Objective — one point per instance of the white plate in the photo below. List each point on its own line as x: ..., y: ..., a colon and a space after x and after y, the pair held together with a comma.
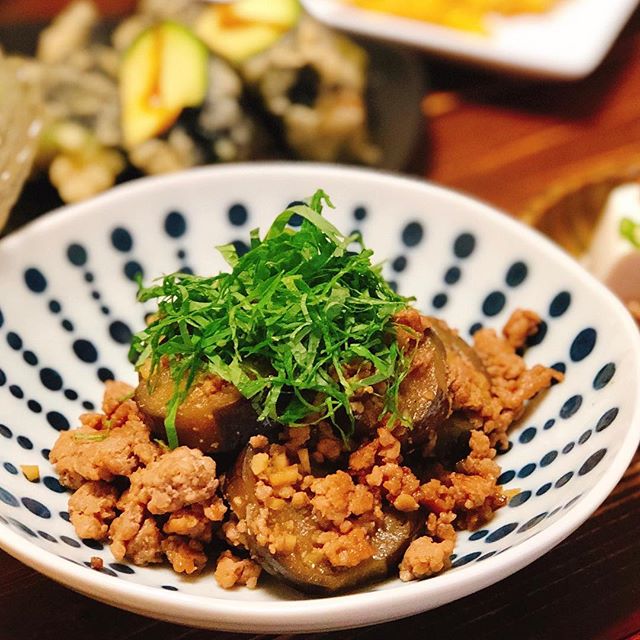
x: 67, y: 303
x: 568, y: 42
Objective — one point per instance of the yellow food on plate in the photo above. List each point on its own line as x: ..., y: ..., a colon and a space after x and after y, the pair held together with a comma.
x: 461, y: 14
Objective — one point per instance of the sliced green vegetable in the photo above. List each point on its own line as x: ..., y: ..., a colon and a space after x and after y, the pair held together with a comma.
x: 283, y: 325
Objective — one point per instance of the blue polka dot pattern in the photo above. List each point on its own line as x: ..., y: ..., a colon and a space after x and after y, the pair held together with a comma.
x: 527, y: 435
x: 452, y: 275
x: 506, y: 477
x: 77, y: 254
x: 533, y: 522
x: 51, y: 379
x: 8, y: 498
x: 412, y: 234
x: 70, y: 541
x: 45, y: 536
x: 24, y: 442
x: 85, y: 350
x: 493, y: 303
x: 439, y: 300
x: 517, y: 274
x: 399, y: 264
x: 37, y: 508
x: 564, y: 479
x: 538, y: 465
x: 133, y: 270
x: 105, y: 374
x: 527, y: 470
x: 604, y: 376
x: 570, y: 407
x: 476, y: 326
x: 560, y: 304
x: 606, y: 419
x: 241, y: 247
x: 583, y: 344
x: 121, y: 240
x: 592, y: 461
x: 238, y: 214
x: 360, y: 213
x: 519, y: 498
x: 543, y: 489
x: 584, y: 437
x: 14, y: 341
x: 93, y: 544
x: 52, y: 483
x: 122, y: 568
x: 175, y: 224
x: 501, y: 532
x: 464, y: 245
x: 459, y: 562
x: 120, y: 332
x: 34, y: 280
x: 57, y: 421
x: 478, y: 535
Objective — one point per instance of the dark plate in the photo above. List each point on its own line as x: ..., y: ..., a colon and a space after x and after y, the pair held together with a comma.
x: 397, y: 84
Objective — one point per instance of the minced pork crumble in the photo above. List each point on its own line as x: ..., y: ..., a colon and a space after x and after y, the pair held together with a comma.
x: 152, y: 504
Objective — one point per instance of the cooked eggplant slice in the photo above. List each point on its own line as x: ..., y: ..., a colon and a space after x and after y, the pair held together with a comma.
x: 302, y: 567
x: 214, y: 417
x: 424, y: 393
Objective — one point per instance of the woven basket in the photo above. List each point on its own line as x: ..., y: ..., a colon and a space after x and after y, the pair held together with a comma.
x: 569, y: 211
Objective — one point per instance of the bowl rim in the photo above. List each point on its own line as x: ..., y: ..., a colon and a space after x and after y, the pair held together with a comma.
x: 348, y: 610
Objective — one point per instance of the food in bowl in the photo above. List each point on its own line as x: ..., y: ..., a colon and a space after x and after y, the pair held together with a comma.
x: 297, y: 415
x: 469, y: 15
x: 182, y: 83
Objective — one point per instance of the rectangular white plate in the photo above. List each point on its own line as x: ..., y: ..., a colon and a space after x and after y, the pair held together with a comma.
x: 568, y: 42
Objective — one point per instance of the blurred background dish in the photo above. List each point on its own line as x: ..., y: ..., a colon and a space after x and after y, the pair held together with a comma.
x: 564, y: 40
x: 20, y: 124
x: 294, y: 90
x: 595, y: 216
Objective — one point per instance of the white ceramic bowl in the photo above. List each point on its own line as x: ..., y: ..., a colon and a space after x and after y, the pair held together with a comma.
x: 566, y: 43
x: 67, y: 307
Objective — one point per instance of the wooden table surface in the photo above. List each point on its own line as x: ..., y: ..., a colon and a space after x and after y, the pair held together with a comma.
x: 505, y: 141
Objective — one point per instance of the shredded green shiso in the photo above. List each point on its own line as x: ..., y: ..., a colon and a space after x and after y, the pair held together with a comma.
x: 282, y: 325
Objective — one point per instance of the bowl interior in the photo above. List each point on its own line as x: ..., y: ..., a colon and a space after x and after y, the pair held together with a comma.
x: 68, y: 308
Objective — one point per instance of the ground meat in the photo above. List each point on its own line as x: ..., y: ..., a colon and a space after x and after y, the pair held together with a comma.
x: 172, y: 505
x: 190, y: 521
x: 185, y: 555
x: 92, y: 454
x: 512, y: 383
x: 336, y: 498
x: 91, y: 508
x: 177, y: 479
x: 232, y: 571
x: 424, y: 558
x: 346, y: 550
x: 136, y: 536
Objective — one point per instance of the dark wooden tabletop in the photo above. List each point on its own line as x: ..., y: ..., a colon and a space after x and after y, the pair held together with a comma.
x: 505, y: 141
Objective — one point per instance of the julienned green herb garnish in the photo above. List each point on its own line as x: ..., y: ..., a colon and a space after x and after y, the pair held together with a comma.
x: 283, y: 325
x: 631, y: 231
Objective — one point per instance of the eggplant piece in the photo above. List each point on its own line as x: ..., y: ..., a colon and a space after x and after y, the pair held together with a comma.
x: 214, y: 417
x: 454, y: 344
x: 301, y: 567
x: 424, y: 393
